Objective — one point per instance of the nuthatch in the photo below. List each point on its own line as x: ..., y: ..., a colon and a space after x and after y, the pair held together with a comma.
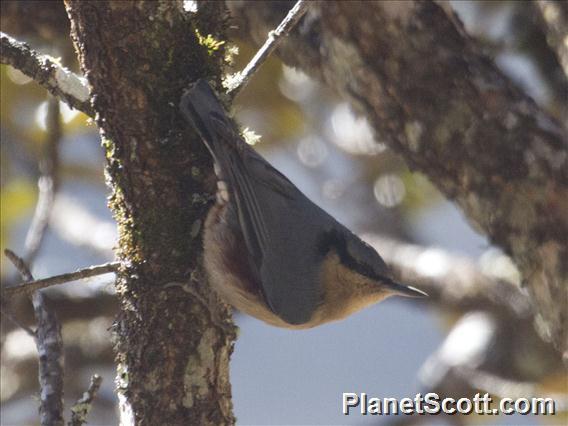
x: 268, y: 250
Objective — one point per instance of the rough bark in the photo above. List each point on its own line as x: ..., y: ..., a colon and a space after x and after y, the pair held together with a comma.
x: 173, y: 338
x: 433, y: 97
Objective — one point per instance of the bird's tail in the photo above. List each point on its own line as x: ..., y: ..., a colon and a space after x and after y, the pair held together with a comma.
x: 200, y: 106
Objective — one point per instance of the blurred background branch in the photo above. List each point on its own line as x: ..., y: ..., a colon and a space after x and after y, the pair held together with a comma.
x: 555, y: 17
x: 498, y: 325
x: 48, y: 183
x: 48, y: 331
x: 456, y: 283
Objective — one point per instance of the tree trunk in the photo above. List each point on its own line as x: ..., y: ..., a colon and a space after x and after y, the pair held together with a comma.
x: 173, y: 337
x: 429, y: 93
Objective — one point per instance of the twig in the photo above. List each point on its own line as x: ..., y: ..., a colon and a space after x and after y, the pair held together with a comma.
x: 31, y: 286
x: 19, y: 264
x: 81, y: 409
x: 274, y: 38
x: 45, y: 70
x: 50, y: 348
x: 47, y: 183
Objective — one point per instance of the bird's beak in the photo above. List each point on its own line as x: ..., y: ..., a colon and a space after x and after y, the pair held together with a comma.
x: 406, y: 290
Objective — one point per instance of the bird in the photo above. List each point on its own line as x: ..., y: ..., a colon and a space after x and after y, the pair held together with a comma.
x: 268, y: 250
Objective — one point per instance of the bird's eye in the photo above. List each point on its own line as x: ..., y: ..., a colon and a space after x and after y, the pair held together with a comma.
x: 331, y: 240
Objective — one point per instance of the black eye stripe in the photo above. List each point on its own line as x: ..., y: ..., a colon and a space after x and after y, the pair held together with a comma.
x: 334, y: 240
x: 330, y: 240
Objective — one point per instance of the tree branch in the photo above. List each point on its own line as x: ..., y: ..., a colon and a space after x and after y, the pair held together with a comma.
x: 50, y: 348
x: 34, y: 285
x: 45, y: 71
x: 433, y: 97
